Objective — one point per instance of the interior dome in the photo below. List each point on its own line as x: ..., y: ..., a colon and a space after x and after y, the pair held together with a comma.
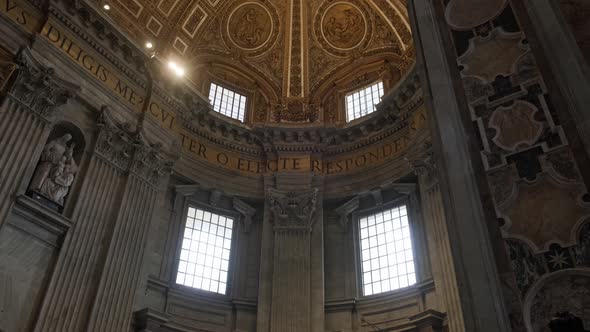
x: 290, y: 61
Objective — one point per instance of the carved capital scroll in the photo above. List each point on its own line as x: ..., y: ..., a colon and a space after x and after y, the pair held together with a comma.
x: 346, y: 209
x: 246, y: 211
x: 38, y: 88
x: 115, y: 141
x: 292, y: 210
x: 130, y: 151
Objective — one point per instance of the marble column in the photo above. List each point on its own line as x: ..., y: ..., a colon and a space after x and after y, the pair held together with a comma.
x: 95, y: 278
x: 472, y: 252
x: 26, y: 117
x: 293, y: 216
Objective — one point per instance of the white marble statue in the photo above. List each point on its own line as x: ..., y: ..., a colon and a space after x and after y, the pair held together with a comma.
x: 55, y: 173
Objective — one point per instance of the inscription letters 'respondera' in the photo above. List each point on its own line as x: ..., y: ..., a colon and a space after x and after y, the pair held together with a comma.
x: 19, y: 11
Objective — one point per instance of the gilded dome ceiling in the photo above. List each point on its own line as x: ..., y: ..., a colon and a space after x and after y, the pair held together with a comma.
x: 295, y: 58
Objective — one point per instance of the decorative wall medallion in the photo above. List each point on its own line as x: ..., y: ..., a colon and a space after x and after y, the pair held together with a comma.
x: 467, y: 14
x: 489, y: 57
x: 516, y: 126
x: 342, y: 26
x: 250, y: 26
x: 545, y: 212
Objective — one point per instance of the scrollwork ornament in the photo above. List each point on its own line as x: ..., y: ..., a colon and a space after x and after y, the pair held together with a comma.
x: 150, y: 163
x: 293, y: 210
x: 38, y: 88
x: 114, y: 144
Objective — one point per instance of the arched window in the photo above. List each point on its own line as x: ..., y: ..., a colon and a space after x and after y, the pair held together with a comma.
x: 386, y: 250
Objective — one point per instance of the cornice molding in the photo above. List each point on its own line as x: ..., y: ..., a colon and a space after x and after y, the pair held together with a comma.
x: 195, y: 113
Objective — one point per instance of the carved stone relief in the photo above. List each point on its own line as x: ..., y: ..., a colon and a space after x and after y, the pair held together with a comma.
x: 292, y: 210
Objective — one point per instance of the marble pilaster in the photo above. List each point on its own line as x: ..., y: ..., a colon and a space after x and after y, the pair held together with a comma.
x: 97, y: 272
x: 471, y: 251
x: 26, y: 117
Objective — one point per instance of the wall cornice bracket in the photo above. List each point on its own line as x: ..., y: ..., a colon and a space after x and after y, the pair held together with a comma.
x: 247, y: 212
x: 346, y: 209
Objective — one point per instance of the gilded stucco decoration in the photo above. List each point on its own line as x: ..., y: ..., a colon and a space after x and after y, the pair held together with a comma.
x: 290, y: 49
x: 342, y: 26
x: 250, y: 26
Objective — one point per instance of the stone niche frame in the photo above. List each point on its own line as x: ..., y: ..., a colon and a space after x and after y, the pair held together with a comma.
x: 403, y: 194
x: 65, y: 126
x: 544, y: 281
x: 200, y: 198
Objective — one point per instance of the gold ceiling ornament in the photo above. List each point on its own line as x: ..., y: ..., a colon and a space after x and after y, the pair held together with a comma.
x: 342, y: 26
x: 252, y: 27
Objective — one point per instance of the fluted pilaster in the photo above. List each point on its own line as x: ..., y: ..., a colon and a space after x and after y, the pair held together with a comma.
x: 291, y: 296
x: 113, y: 305
x: 293, y: 217
x: 26, y: 116
x: 96, y: 275
x: 73, y: 284
x: 422, y: 161
x: 112, y: 310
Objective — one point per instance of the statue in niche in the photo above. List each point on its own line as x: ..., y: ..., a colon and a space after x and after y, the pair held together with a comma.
x: 55, y: 173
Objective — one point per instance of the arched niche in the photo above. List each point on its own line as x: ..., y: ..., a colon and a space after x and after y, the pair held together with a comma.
x: 58, y: 166
x: 565, y: 290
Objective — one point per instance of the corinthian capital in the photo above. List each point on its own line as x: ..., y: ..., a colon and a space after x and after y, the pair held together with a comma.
x: 292, y: 210
x: 129, y: 150
x: 38, y: 88
x: 151, y: 163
